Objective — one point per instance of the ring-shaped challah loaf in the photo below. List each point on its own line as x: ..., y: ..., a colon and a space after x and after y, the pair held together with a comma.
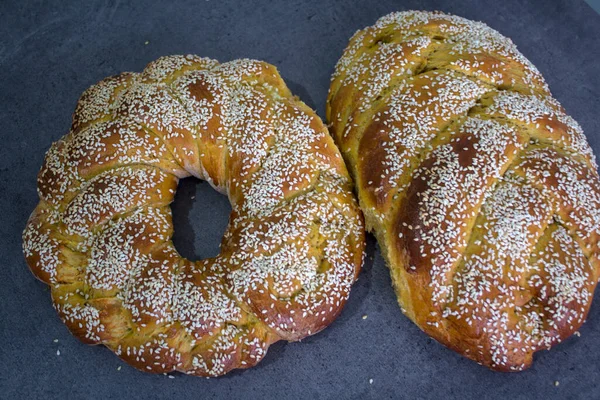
x: 101, y: 234
x: 482, y: 191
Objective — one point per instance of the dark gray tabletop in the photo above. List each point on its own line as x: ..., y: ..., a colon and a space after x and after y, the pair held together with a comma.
x: 50, y: 54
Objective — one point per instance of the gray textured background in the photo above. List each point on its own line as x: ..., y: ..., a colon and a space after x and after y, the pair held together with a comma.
x: 49, y: 54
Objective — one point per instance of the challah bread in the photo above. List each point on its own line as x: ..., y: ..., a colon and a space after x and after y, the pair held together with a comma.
x: 482, y: 192
x: 101, y: 234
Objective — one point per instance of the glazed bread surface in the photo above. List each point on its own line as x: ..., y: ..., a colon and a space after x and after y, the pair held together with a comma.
x: 101, y: 233
x: 482, y: 192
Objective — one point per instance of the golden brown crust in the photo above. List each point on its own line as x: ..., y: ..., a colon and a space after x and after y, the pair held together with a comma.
x: 101, y: 234
x: 482, y: 192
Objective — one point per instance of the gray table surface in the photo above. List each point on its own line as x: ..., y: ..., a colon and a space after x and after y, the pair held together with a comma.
x: 50, y: 53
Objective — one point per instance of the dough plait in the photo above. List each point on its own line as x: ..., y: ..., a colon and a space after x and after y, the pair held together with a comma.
x: 483, y: 194
x: 101, y: 233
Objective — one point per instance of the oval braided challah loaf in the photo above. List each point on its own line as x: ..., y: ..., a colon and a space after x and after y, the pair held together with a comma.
x: 101, y: 234
x: 482, y: 192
